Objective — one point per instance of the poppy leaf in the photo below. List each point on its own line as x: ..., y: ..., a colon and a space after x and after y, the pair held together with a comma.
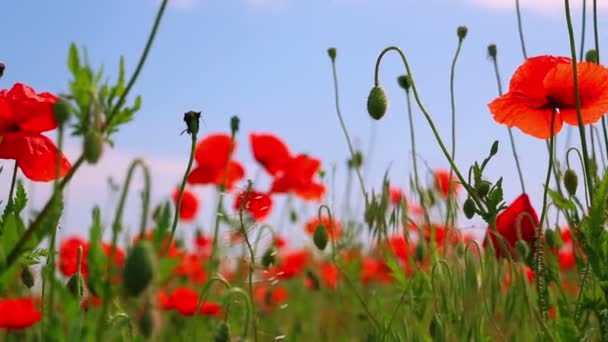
x: 20, y: 198
x: 73, y: 59
x: 560, y: 201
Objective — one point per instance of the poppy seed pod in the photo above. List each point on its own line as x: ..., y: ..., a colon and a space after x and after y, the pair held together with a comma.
x: 331, y: 52
x: 76, y: 285
x: 139, y: 269
x: 483, y: 188
x: 492, y: 51
x: 27, y: 278
x: 404, y: 82
x: 146, y: 324
x: 93, y: 146
x: 377, y: 103
x: 570, y: 181
x: 469, y: 208
x: 462, y: 32
x: 591, y: 56
x: 223, y: 332
x: 320, y: 237
x: 234, y: 124
x: 62, y: 112
x: 192, y: 120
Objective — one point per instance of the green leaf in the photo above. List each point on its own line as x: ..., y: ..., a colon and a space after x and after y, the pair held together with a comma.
x: 560, y: 201
x: 20, y: 198
x: 73, y: 59
x: 396, y: 270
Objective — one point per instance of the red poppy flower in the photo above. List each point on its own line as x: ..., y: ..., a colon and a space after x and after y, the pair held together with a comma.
x: 267, y: 298
x: 189, y: 206
x: 185, y: 300
x: 257, y: 204
x: 280, y: 242
x: 18, y: 313
x: 298, y: 178
x: 270, y: 152
x: 330, y: 275
x: 442, y: 183
x: 336, y: 230
x: 544, y: 85
x: 24, y: 115
x: 566, y: 258
x: 375, y: 270
x: 212, y: 155
x: 518, y: 222
x: 191, y: 267
x: 68, y: 256
x: 291, y: 265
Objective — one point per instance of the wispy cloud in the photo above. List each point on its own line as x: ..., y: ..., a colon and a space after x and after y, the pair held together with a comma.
x: 550, y: 7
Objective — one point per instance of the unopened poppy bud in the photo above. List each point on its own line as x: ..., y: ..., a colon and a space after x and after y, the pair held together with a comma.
x: 76, y: 285
x: 192, y: 120
x: 269, y: 257
x: 139, y: 269
x: 93, y: 146
x: 61, y: 110
x: 234, y: 124
x: 223, y: 332
x: 494, y: 148
x: 522, y: 249
x: 492, y: 51
x: 293, y: 216
x: 469, y: 208
x: 570, y: 181
x: 356, y: 161
x: 436, y: 329
x: 377, y: 103
x: 320, y: 237
x: 483, y: 188
x: 420, y: 251
x: 146, y: 323
x: 27, y: 278
x: 550, y: 238
x: 2, y: 67
x: 404, y: 82
x: 331, y: 52
x: 462, y: 32
x: 591, y: 56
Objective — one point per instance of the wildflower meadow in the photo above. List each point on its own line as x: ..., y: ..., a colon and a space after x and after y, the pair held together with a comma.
x: 280, y: 254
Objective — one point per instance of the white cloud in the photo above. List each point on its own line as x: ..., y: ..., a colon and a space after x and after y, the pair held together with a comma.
x: 539, y: 6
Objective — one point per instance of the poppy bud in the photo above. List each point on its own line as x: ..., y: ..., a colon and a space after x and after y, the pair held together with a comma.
x: 2, y: 67
x: 320, y: 237
x: 404, y: 82
x: 550, y: 238
x: 482, y: 188
x: 192, y: 120
x: 356, y: 161
x: 522, y: 248
x: 223, y: 333
x: 436, y: 329
x: 62, y: 112
x: 139, y: 268
x: 591, y: 56
x: 27, y: 278
x: 234, y: 124
x: 469, y: 208
x: 570, y: 181
x: 332, y: 53
x: 494, y: 148
x: 462, y: 32
x: 315, y: 284
x: 76, y: 286
x: 269, y: 257
x: 420, y: 251
x: 93, y: 146
x: 146, y: 324
x: 377, y: 103
x: 293, y: 216
x: 492, y: 52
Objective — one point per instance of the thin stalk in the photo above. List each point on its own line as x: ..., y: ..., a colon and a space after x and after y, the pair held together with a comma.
x: 583, y: 27
x: 520, y: 30
x: 13, y: 182
x: 596, y: 40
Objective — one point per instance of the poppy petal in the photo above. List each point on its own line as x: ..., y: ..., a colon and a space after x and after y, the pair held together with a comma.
x: 35, y: 154
x: 528, y: 80
x: 202, y: 175
x: 310, y: 192
x: 33, y: 112
x: 270, y: 152
x: 214, y: 150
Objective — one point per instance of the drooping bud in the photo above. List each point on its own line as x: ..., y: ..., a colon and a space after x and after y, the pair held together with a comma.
x: 469, y: 208
x: 27, y: 278
x: 234, y: 124
x: 269, y: 257
x: 192, y: 120
x: 331, y: 52
x: 61, y: 110
x: 146, y: 323
x: 223, y: 332
x: 139, y: 269
x: 522, y: 249
x: 483, y: 188
x: 591, y: 56
x: 420, y: 251
x: 570, y: 181
x: 550, y: 238
x: 404, y: 82
x: 492, y: 51
x: 76, y: 286
x: 462, y: 32
x: 293, y: 216
x: 93, y: 146
x: 377, y: 103
x: 320, y: 237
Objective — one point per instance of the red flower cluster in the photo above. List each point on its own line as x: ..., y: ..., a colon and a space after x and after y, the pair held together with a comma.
x: 442, y: 183
x: 185, y: 301
x: 257, y: 204
x: 214, y: 158
x: 332, y: 231
x: 18, y: 313
x: 24, y: 115
x: 189, y: 206
x: 68, y: 256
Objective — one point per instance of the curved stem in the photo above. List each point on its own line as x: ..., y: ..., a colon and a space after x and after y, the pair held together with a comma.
x: 343, y: 125
x: 202, y: 297
x: 236, y: 291
x: 182, y: 187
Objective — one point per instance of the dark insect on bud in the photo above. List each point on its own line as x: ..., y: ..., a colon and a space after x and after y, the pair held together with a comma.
x: 570, y: 181
x: 492, y: 51
x: 192, y: 120
x: 27, y: 278
x: 93, y: 146
x: 331, y: 52
x: 462, y: 32
x: 469, y: 208
x: 139, y: 268
x: 404, y: 82
x: 320, y: 237
x: 377, y: 103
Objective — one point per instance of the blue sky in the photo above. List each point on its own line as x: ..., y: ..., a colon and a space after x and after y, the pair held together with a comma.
x: 266, y: 61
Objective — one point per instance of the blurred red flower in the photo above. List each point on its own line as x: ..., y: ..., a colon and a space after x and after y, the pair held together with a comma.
x: 330, y: 275
x: 24, y: 115
x: 298, y: 178
x: 213, y: 154
x: 544, y: 85
x: 257, y: 204
x: 332, y: 232
x: 185, y: 300
x: 442, y: 183
x: 189, y: 206
x: 18, y: 313
x: 270, y: 152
